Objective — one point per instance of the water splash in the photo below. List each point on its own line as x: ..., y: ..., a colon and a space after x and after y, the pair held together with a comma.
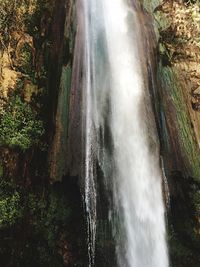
x: 115, y: 92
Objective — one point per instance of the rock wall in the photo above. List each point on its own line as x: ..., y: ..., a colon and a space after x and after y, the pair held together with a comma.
x: 62, y: 67
x: 41, y: 220
x: 176, y: 100
x: 39, y: 193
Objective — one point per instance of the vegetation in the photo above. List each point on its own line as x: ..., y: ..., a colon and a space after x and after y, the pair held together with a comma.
x: 25, y: 61
x: 183, y: 224
x: 26, y: 13
x: 49, y: 212
x: 19, y: 126
x: 43, y: 216
x: 177, y: 30
x: 35, y: 217
x: 7, y: 17
x: 11, y: 209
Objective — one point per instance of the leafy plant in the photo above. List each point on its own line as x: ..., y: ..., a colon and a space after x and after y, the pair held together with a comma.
x: 9, y: 14
x: 19, y: 126
x: 26, y: 59
x: 1, y: 170
x: 49, y: 212
x: 10, y: 205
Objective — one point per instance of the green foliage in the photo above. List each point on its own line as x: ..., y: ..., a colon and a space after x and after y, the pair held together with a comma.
x: 8, y: 18
x: 9, y: 209
x: 181, y: 252
x: 6, y: 9
x: 26, y: 59
x: 196, y: 201
x: 177, y: 249
x: 19, y: 126
x: 33, y: 22
x: 10, y: 205
x: 49, y: 213
x: 1, y: 170
x: 44, y: 214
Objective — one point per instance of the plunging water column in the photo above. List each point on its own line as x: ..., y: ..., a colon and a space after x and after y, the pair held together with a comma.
x: 116, y: 101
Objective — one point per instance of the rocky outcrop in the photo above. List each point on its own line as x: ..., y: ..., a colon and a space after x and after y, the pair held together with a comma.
x: 60, y: 77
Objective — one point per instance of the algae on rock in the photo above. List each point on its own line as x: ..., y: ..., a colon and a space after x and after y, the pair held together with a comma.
x: 176, y: 24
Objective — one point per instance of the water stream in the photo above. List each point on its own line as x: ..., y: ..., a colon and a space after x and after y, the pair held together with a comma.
x: 116, y: 101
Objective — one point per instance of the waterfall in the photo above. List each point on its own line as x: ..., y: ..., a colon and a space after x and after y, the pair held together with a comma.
x: 116, y: 100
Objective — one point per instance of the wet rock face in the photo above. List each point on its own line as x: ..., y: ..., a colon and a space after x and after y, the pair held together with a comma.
x: 181, y: 41
x: 176, y: 24
x: 62, y: 54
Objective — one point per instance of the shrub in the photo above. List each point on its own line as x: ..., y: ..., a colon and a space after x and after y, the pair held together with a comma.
x: 26, y: 60
x: 8, y: 17
x: 10, y: 205
x: 50, y: 213
x: 19, y: 126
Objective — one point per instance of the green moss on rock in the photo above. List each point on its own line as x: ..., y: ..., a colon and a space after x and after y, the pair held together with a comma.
x: 189, y: 148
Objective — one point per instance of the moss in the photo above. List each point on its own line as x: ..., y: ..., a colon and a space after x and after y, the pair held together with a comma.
x: 62, y: 121
x: 185, y: 133
x: 173, y: 21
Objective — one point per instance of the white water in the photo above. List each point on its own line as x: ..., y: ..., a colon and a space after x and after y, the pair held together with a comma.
x: 113, y: 77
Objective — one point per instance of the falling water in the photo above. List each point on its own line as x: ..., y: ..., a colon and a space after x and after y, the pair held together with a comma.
x: 115, y: 93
